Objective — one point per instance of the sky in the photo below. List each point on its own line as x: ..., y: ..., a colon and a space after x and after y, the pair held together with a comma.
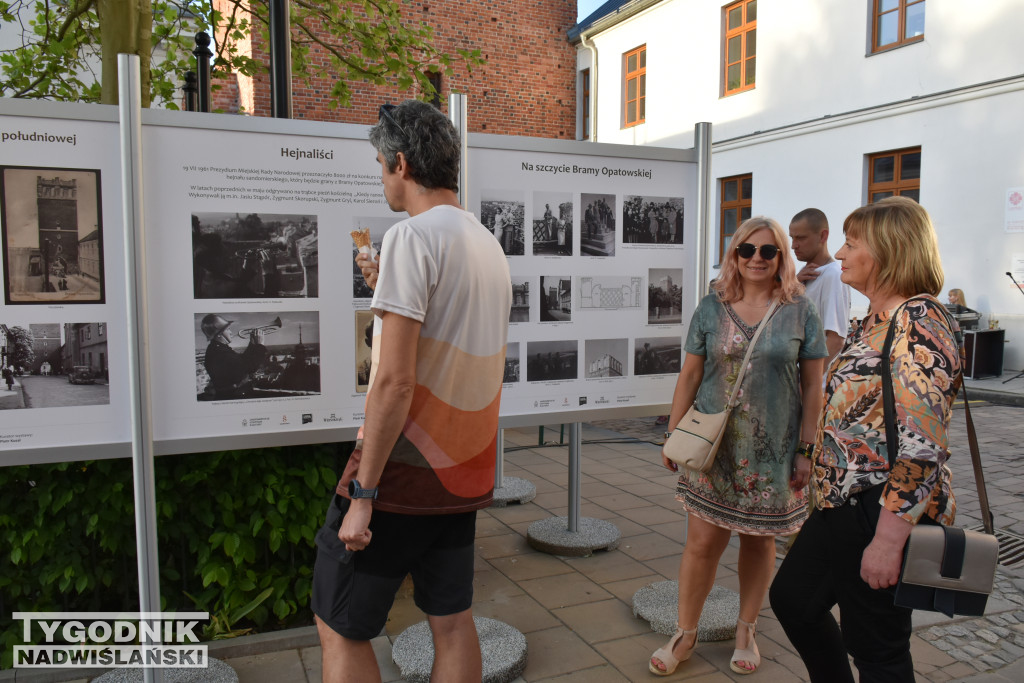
x: 585, y: 7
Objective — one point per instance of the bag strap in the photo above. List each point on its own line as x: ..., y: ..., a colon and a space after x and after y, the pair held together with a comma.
x: 750, y: 350
x: 888, y: 403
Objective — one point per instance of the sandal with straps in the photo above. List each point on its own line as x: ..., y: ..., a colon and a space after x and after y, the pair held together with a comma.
x: 666, y: 656
x: 750, y: 655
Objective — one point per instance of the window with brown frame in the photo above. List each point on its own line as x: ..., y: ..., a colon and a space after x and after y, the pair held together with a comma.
x: 585, y: 103
x: 737, y: 194
x: 740, y: 46
x: 897, y: 172
x: 895, y: 23
x: 635, y: 86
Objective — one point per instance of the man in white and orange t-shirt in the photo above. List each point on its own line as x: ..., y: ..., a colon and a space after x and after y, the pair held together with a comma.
x: 424, y: 462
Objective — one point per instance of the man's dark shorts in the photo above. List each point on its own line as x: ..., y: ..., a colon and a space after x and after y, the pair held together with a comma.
x: 353, y: 591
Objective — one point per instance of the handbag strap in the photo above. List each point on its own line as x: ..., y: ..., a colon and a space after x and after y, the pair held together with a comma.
x: 888, y: 403
x: 750, y: 350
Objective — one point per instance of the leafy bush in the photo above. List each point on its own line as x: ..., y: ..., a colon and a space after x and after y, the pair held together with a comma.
x: 231, y: 526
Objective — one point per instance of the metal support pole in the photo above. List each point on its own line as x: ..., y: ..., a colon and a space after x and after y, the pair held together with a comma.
x: 458, y: 114
x: 702, y: 143
x: 280, y: 59
x: 203, y: 55
x: 130, y: 107
x: 191, y: 89
x: 499, y: 460
x: 574, y: 477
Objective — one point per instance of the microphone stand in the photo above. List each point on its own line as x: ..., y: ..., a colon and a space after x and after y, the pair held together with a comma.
x: 1019, y: 289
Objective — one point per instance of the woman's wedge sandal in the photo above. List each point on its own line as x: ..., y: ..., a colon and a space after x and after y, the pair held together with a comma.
x: 748, y: 655
x: 667, y: 657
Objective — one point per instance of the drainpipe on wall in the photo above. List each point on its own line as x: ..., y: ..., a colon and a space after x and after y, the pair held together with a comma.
x: 593, y: 86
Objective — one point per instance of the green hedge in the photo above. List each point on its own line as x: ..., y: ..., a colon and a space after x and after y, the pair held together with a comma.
x: 232, y: 526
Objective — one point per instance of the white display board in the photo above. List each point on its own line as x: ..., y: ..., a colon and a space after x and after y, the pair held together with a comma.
x: 64, y: 284
x: 247, y: 235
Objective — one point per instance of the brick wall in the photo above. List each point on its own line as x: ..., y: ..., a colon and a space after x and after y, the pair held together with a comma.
x: 527, y: 87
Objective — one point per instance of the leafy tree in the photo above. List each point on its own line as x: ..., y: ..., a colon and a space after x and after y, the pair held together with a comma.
x: 344, y: 40
x: 19, y: 350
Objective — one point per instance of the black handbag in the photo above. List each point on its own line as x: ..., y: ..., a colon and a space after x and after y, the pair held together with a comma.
x: 945, y: 569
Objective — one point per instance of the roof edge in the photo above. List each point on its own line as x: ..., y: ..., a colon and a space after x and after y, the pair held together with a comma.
x: 607, y: 16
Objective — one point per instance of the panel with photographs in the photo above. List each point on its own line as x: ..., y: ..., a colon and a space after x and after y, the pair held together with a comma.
x: 665, y: 296
x: 511, y: 363
x: 52, y: 235
x: 606, y: 358
x: 610, y: 292
x: 548, y: 361
x: 597, y: 228
x: 54, y: 365
x: 253, y: 355
x: 552, y: 223
x: 657, y: 355
x: 377, y: 225
x: 364, y: 349
x: 652, y: 220
x: 238, y: 255
x: 503, y: 212
x: 520, y: 311
x: 555, y: 298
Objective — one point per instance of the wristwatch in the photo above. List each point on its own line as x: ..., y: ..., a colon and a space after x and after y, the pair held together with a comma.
x: 357, y: 491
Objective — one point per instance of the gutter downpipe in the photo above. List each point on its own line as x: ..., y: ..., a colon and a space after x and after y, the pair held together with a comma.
x: 593, y: 86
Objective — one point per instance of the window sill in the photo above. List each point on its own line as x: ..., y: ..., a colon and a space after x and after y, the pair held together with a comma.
x: 896, y: 46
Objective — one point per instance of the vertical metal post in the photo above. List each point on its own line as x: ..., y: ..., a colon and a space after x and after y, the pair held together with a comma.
x: 130, y: 108
x: 203, y: 54
x: 702, y: 143
x: 499, y: 460
x: 280, y: 59
x: 191, y: 89
x: 574, y: 477
x: 458, y: 114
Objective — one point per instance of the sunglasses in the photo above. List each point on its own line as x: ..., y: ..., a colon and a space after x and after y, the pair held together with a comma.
x: 747, y: 250
x: 385, y: 113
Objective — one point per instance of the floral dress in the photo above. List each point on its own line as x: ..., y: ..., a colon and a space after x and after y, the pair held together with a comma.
x: 747, y: 488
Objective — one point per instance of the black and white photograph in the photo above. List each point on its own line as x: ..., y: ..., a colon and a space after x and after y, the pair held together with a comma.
x: 555, y: 299
x: 511, y: 363
x: 549, y: 361
x: 657, y: 355
x: 54, y: 365
x: 251, y: 355
x: 254, y: 255
x: 652, y: 220
x: 520, y: 311
x: 52, y: 226
x: 609, y: 292
x: 364, y: 349
x: 503, y: 212
x: 377, y: 225
x: 597, y: 229
x: 664, y: 296
x: 605, y: 358
x: 552, y: 223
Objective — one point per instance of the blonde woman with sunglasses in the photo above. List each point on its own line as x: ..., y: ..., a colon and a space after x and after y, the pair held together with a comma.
x: 755, y: 487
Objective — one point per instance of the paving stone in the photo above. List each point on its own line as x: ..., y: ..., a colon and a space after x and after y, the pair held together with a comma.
x: 958, y: 630
x: 973, y: 650
x: 988, y: 635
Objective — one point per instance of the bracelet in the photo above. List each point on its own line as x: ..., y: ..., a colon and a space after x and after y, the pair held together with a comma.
x: 805, y: 450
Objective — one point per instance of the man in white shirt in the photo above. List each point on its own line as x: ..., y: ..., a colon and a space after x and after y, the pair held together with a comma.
x: 809, y: 232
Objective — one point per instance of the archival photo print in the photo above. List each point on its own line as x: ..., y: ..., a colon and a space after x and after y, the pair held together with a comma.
x: 511, y: 363
x: 52, y: 227
x: 503, y: 212
x: 597, y: 230
x: 254, y: 255
x: 552, y: 223
x: 265, y: 354
x: 657, y: 355
x: 54, y: 365
x: 555, y: 298
x: 606, y: 357
x: 376, y: 226
x: 652, y: 220
x: 664, y: 296
x: 548, y: 361
x: 520, y: 312
x: 364, y: 349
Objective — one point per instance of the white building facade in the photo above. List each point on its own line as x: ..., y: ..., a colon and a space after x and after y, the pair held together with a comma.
x: 831, y: 104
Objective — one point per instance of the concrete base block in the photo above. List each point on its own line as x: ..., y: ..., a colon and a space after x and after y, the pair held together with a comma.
x: 552, y: 535
x: 216, y: 672
x: 502, y: 648
x: 658, y: 604
x: 513, y: 490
